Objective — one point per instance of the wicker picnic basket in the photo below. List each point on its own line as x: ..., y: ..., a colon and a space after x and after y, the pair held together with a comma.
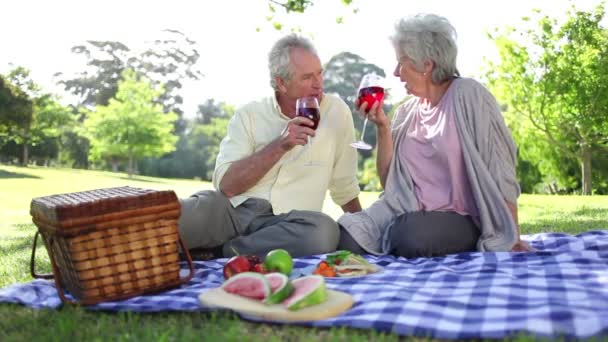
x: 110, y: 244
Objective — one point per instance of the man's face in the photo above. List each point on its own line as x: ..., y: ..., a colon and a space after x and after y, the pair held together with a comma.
x: 306, y: 76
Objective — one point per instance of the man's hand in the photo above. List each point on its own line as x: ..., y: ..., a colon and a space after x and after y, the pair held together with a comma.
x: 296, y: 133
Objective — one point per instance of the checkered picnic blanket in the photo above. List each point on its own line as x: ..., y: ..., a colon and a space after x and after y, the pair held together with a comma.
x: 559, y: 291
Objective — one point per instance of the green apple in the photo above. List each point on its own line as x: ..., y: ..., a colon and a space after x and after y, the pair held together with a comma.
x: 278, y: 260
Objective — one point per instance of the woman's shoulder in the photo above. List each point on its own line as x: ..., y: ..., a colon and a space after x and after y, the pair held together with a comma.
x: 469, y: 87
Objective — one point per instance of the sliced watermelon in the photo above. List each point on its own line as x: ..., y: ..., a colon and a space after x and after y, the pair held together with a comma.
x: 280, y: 286
x: 248, y: 284
x: 309, y: 290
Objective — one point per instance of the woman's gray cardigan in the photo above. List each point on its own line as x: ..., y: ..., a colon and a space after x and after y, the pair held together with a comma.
x: 489, y: 155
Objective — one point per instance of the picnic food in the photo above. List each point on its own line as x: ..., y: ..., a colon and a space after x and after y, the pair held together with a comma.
x: 248, y: 284
x: 278, y: 260
x: 275, y: 288
x: 280, y: 286
x: 235, y: 265
x: 335, y: 303
x: 344, y: 264
x: 243, y: 263
x: 308, y: 291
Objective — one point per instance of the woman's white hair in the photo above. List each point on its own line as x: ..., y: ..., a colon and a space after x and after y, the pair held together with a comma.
x: 279, y: 60
x: 428, y: 37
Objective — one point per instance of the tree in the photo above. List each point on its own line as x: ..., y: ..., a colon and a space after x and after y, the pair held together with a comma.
x: 38, y: 117
x: 15, y: 111
x: 132, y: 125
x: 197, y: 147
x: 168, y: 61
x: 555, y: 86
x: 297, y: 7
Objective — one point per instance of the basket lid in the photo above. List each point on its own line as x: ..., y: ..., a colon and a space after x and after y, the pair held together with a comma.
x: 60, y: 207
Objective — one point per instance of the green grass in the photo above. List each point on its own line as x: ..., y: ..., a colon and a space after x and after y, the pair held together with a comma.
x: 570, y: 214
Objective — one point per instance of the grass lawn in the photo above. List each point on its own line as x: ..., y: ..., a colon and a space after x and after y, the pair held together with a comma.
x: 569, y: 214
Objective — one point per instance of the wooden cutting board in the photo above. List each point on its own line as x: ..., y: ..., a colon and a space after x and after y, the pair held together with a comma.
x: 336, y: 303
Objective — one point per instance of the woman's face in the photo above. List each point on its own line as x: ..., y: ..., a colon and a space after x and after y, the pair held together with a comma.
x: 408, y: 73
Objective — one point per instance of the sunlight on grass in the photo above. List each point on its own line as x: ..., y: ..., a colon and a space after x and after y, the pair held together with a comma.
x: 571, y: 214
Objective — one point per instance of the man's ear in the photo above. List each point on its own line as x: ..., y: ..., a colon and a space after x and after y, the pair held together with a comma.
x: 281, y: 84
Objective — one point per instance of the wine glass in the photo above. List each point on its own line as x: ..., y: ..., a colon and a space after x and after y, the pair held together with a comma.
x: 308, y: 107
x: 370, y: 91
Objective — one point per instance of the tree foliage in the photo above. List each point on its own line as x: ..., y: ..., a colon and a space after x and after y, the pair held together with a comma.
x: 295, y: 7
x: 298, y: 6
x: 197, y: 147
x: 15, y: 110
x: 32, y: 117
x: 132, y: 125
x: 553, y: 79
x: 168, y: 62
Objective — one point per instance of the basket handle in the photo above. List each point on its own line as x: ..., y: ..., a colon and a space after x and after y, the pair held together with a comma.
x: 33, y: 261
x: 188, y: 258
x: 55, y: 275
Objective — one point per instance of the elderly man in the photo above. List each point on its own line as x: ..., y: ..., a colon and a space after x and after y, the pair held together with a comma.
x: 270, y: 181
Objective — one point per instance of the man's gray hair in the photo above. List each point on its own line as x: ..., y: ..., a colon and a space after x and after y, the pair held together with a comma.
x: 279, y: 60
x: 428, y: 37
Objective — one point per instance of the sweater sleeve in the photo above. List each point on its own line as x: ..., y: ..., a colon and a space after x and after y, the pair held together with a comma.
x: 495, y: 143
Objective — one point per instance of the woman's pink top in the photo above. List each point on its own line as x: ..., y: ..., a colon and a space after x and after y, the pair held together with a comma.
x: 433, y: 155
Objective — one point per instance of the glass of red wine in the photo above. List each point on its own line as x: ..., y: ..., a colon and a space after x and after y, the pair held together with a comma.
x: 370, y: 91
x: 308, y: 107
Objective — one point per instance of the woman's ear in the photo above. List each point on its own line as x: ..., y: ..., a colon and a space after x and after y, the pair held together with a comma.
x: 428, y: 66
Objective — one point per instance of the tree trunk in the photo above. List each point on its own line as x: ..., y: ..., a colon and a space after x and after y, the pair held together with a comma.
x: 26, y: 154
x: 586, y: 169
x: 114, y: 165
x: 130, y: 167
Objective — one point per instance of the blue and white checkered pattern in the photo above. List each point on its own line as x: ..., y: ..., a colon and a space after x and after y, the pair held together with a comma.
x: 560, y: 291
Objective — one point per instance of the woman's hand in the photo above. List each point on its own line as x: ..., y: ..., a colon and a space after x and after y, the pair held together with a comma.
x: 522, y: 246
x: 375, y: 113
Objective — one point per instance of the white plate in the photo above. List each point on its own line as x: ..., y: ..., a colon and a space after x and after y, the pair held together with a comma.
x: 310, y: 269
x: 337, y: 302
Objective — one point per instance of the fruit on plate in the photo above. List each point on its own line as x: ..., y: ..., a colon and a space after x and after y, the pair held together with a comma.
x: 278, y: 260
x: 253, y: 260
x: 259, y: 268
x: 235, y: 265
x: 280, y: 287
x: 248, y: 284
x: 308, y: 291
x: 243, y: 263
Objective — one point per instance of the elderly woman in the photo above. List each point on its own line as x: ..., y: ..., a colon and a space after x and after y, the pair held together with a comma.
x: 446, y: 161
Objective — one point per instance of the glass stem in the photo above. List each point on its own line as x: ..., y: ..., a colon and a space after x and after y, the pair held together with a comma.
x: 363, y: 129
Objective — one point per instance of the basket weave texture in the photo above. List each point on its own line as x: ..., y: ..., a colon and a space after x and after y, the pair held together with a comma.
x: 110, y: 244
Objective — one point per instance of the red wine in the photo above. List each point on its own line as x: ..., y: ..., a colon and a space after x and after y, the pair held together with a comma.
x: 311, y: 113
x: 370, y: 95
